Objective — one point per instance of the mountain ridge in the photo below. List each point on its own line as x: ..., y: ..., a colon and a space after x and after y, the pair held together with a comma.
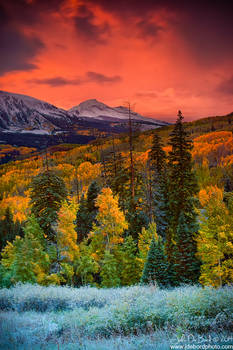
x: 25, y: 113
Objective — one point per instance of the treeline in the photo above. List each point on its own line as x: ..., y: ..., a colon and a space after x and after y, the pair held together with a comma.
x: 141, y: 220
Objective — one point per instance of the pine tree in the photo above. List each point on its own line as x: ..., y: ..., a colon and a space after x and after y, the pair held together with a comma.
x: 137, y: 219
x: 156, y: 268
x: 87, y: 212
x: 182, y: 190
x: 92, y: 195
x: 159, y: 186
x: 118, y: 177
x: 47, y: 194
x: 186, y: 266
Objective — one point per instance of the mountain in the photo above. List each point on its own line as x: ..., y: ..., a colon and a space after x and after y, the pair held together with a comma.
x: 98, y: 110
x: 25, y: 120
x: 24, y: 113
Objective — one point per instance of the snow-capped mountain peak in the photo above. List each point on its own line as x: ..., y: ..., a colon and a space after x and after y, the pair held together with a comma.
x: 93, y: 108
x: 21, y: 111
x: 25, y: 114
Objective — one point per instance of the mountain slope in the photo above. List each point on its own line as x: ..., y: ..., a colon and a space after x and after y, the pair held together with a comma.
x: 27, y: 113
x: 98, y: 110
x: 27, y: 121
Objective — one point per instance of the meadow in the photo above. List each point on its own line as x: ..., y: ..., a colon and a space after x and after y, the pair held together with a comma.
x: 136, y: 317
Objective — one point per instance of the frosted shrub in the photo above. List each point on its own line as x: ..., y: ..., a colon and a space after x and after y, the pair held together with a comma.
x: 50, y: 313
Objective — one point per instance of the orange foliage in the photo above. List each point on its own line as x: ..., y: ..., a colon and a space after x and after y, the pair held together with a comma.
x: 211, y: 191
x: 19, y: 206
x: 215, y: 147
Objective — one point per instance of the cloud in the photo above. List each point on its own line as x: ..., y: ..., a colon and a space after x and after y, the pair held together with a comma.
x: 18, y: 50
x: 89, y: 77
x: 22, y: 12
x: 226, y: 87
x: 101, y: 78
x: 204, y: 26
x: 56, y: 81
x: 147, y: 94
x: 148, y: 29
x: 86, y: 29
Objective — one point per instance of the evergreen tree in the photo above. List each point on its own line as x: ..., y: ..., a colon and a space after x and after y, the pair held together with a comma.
x: 186, y: 266
x: 82, y: 225
x: 137, y: 219
x: 159, y: 186
x: 182, y: 190
x: 118, y: 178
x: 156, y: 267
x: 47, y: 194
x: 92, y: 195
x: 87, y: 212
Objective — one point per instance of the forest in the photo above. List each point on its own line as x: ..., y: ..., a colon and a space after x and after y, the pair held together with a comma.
x: 123, y: 243
x: 151, y: 208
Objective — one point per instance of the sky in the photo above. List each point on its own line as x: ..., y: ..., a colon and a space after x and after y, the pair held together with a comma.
x: 161, y: 55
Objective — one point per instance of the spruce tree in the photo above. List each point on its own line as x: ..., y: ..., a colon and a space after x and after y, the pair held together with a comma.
x: 137, y: 219
x: 156, y: 267
x: 87, y: 212
x: 159, y: 186
x: 186, y: 266
x: 92, y: 194
x: 47, y: 194
x: 118, y: 178
x: 183, y: 217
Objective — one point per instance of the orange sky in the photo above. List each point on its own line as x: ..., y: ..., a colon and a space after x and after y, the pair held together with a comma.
x: 160, y: 55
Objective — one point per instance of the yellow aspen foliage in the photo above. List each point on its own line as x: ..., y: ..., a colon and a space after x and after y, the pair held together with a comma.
x: 215, y: 242
x: 66, y: 234
x: 88, y: 172
x: 111, y: 223
x: 19, y: 206
x: 8, y: 254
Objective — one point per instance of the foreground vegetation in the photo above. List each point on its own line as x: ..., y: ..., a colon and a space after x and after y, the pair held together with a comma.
x: 34, y: 317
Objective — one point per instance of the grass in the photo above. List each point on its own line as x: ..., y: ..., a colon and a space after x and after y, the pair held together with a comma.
x: 36, y: 317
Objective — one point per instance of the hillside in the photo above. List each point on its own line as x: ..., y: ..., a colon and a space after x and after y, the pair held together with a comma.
x: 216, y: 147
